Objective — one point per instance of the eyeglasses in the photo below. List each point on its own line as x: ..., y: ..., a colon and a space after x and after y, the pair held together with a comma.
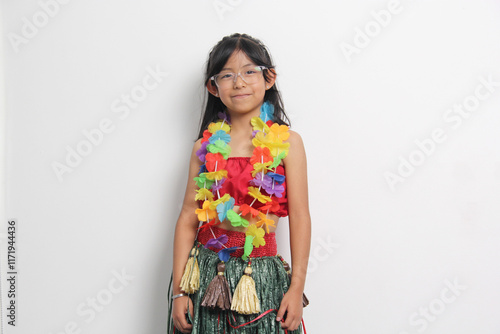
x: 250, y: 75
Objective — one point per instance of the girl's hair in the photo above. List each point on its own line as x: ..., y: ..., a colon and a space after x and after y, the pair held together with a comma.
x: 217, y: 58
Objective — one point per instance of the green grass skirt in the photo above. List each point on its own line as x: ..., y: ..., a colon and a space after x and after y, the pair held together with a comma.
x: 271, y: 282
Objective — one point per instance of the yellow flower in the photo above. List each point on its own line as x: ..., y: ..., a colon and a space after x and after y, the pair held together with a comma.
x: 223, y: 199
x: 278, y: 133
x: 255, y: 193
x: 217, y: 175
x: 275, y: 146
x: 259, y: 167
x: 259, y: 125
x: 205, y: 213
x: 204, y: 194
x: 214, y: 127
x: 258, y: 235
x: 261, y: 139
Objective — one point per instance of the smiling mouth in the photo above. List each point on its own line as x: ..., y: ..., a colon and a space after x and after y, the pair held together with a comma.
x: 241, y: 96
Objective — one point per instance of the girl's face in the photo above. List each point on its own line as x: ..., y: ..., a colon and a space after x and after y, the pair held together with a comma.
x: 240, y: 97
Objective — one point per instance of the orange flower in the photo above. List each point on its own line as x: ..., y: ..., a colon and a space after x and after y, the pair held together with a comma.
x: 206, y: 225
x: 261, y: 155
x: 215, y: 159
x: 272, y: 206
x: 278, y: 133
x: 265, y: 221
x: 205, y: 213
x: 246, y: 209
x: 206, y: 135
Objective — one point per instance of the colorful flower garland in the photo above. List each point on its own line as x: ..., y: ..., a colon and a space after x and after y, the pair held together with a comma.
x: 269, y: 151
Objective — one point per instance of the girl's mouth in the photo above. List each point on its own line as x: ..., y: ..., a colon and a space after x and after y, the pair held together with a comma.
x: 241, y: 96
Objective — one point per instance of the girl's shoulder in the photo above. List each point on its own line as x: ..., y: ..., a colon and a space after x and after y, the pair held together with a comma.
x: 196, y: 147
x: 296, y: 152
x: 197, y: 144
x: 295, y: 139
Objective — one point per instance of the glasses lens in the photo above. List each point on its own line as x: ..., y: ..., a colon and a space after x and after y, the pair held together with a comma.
x: 250, y: 74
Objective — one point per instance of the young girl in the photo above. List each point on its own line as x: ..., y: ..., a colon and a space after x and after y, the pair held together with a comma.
x: 247, y: 170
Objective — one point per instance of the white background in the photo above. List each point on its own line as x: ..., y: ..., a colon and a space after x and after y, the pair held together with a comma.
x: 382, y: 257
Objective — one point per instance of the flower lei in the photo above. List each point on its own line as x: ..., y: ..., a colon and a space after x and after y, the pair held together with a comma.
x: 269, y: 150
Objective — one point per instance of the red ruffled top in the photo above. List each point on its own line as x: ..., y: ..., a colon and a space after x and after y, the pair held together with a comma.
x: 239, y: 174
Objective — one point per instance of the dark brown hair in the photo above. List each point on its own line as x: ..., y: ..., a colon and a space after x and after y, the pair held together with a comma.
x: 217, y: 58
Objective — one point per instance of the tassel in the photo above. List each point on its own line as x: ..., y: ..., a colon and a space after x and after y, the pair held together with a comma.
x: 190, y: 282
x: 218, y: 293
x: 245, y: 300
x: 305, y: 301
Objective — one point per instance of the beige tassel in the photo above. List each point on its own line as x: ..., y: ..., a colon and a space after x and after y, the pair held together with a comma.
x: 245, y: 300
x: 190, y: 281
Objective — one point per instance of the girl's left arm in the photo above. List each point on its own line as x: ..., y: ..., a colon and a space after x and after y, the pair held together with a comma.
x: 300, y: 230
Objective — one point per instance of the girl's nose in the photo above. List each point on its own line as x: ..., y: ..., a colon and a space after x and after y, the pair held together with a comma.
x: 240, y: 82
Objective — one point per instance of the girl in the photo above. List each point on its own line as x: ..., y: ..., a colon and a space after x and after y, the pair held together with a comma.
x: 247, y: 170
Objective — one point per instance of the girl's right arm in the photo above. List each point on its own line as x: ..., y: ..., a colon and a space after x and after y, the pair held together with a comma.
x: 185, y: 232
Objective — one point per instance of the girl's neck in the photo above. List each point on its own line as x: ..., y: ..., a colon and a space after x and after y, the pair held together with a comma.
x: 240, y: 123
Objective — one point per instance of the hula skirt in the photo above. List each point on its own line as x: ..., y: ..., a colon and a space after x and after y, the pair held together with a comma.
x: 271, y: 283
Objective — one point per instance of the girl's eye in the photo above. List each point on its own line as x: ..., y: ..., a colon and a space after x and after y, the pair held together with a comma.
x: 226, y: 76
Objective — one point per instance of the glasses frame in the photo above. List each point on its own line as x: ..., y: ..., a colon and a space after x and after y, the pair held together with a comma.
x: 214, y: 77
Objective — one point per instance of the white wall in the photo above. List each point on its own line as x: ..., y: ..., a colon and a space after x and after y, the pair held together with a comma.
x: 383, y: 257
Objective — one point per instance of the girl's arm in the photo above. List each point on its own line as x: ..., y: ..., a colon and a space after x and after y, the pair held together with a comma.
x: 187, y: 223
x: 185, y: 232
x: 300, y: 230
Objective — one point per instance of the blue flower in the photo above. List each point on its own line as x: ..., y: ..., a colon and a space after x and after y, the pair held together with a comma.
x: 267, y: 111
x: 278, y: 178
x: 220, y: 135
x: 224, y: 253
x: 222, y: 208
x: 203, y: 169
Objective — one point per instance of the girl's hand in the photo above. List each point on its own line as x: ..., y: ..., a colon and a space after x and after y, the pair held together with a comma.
x: 292, y: 305
x: 179, y: 312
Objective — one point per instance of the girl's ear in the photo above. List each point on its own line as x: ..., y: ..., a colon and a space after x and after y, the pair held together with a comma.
x: 271, y: 78
x: 212, y: 88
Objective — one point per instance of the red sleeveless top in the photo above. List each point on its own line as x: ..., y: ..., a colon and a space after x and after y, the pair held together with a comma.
x: 239, y: 174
